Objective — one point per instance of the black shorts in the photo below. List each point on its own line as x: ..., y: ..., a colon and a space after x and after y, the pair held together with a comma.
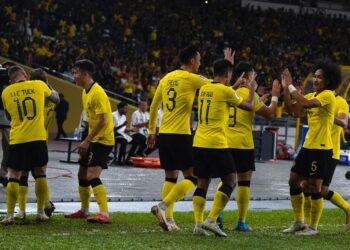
x: 175, y: 151
x: 330, y: 172
x: 213, y: 163
x: 312, y: 163
x: 244, y: 159
x: 27, y: 156
x: 96, y: 155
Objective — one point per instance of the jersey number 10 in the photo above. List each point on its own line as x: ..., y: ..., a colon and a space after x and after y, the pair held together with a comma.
x: 23, y: 106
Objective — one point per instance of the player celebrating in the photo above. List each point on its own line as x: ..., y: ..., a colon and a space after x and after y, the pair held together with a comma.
x: 96, y: 147
x: 212, y: 157
x: 24, y: 103
x: 240, y: 138
x: 315, y: 155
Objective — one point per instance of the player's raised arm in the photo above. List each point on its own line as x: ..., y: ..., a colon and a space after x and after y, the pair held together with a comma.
x: 269, y: 112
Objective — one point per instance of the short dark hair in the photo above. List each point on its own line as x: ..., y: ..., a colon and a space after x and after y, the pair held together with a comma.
x: 222, y: 66
x: 187, y: 54
x: 13, y: 71
x: 8, y: 64
x: 242, y: 67
x: 38, y: 74
x: 85, y: 65
x: 121, y: 105
x: 331, y: 74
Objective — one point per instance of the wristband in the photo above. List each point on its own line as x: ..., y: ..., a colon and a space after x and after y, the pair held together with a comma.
x: 274, y: 99
x: 291, y: 88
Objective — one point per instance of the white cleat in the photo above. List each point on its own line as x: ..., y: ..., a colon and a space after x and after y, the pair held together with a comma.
x: 308, y: 232
x: 20, y: 215
x: 159, y: 213
x: 8, y: 220
x: 42, y: 218
x: 296, y: 227
x: 172, y: 225
x: 213, y: 227
x: 198, y: 230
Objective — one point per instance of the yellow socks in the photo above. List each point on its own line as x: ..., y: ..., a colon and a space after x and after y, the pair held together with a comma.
x: 199, y: 205
x: 100, y: 194
x: 297, y: 201
x: 180, y: 190
x: 22, y: 193
x: 12, y: 191
x: 22, y: 197
x: 167, y: 186
x: 242, y: 199
x: 316, y: 209
x: 220, y: 200
x: 338, y: 200
x: 41, y: 190
x: 307, y: 207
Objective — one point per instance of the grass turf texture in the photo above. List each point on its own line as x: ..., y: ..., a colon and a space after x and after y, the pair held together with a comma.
x: 140, y: 231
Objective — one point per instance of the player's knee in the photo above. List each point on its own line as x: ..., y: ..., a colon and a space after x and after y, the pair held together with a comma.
x: 200, y: 192
x: 326, y: 192
x: 226, y: 189
x: 192, y: 179
x: 23, y: 181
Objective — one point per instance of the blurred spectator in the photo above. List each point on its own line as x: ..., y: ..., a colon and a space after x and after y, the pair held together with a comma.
x: 139, y: 122
x: 61, y: 115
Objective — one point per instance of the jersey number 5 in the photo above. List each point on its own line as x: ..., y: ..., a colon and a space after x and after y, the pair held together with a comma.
x: 23, y: 106
x: 172, y: 99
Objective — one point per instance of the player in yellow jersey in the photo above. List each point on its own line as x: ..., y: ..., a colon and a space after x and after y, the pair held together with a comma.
x: 313, y: 159
x: 36, y: 74
x: 212, y: 157
x: 240, y: 138
x: 176, y: 91
x: 96, y: 147
x: 340, y: 121
x: 24, y: 103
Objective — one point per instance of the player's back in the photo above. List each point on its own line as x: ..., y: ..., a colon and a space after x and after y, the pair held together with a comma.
x: 239, y: 130
x: 178, y: 89
x: 24, y: 101
x: 341, y: 106
x: 214, y: 101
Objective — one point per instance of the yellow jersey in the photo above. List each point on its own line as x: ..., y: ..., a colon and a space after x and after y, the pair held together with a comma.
x: 214, y: 102
x: 341, y: 107
x: 49, y: 110
x: 95, y: 102
x: 24, y: 101
x: 320, y: 121
x: 176, y: 91
x: 239, y: 129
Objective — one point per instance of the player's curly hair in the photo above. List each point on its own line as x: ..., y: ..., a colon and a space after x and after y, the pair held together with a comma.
x: 331, y: 73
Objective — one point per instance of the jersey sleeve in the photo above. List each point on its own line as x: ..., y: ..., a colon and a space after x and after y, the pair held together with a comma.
x: 325, y: 97
x: 134, y: 120
x: 233, y: 97
x: 258, y: 104
x: 47, y: 91
x: 153, y: 111
x: 199, y: 80
x: 343, y: 107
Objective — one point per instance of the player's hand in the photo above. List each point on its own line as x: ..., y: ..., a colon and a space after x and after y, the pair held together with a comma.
x: 151, y: 141
x: 264, y: 98
x: 229, y: 55
x: 239, y: 81
x: 83, y: 147
x: 286, y: 78
x: 275, y: 88
x: 300, y: 86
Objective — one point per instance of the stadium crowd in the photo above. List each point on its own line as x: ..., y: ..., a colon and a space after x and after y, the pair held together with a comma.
x: 134, y: 43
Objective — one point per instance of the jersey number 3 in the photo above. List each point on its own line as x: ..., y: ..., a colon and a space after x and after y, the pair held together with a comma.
x: 23, y: 107
x: 172, y: 99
